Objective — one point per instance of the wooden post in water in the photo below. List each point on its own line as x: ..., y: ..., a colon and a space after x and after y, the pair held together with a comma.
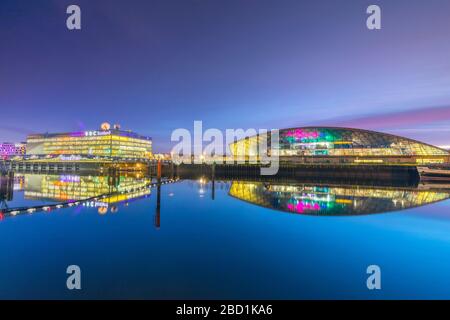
x: 172, y: 170
x: 158, y: 195
x: 159, y: 171
x: 213, y: 178
x: 158, y: 207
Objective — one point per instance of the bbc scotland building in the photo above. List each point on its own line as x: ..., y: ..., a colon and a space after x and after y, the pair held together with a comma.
x: 333, y: 145
x: 106, y: 143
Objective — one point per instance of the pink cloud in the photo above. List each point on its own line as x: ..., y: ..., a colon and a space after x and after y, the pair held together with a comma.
x: 394, y: 119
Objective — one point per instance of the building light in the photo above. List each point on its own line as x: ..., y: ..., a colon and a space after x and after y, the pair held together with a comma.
x: 429, y: 161
x: 344, y: 201
x: 368, y: 161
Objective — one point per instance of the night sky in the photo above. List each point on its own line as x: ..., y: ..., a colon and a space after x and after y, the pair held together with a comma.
x: 154, y: 66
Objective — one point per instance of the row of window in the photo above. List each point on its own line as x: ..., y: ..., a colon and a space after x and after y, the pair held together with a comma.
x: 250, y: 148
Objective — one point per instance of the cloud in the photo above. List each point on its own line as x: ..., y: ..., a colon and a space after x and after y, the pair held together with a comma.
x: 14, y: 129
x: 393, y: 120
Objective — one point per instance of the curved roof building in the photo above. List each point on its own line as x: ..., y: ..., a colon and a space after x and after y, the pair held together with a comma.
x: 342, y: 145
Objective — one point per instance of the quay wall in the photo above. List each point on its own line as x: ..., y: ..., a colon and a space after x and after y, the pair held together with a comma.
x: 226, y: 171
x: 403, y: 174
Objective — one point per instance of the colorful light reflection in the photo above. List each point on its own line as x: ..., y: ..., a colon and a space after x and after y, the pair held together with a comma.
x: 301, y: 206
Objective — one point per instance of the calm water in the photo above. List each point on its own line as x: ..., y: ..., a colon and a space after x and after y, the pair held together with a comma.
x: 254, y: 240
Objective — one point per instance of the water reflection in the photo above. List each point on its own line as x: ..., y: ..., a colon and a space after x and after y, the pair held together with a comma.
x: 6, y: 190
x: 158, y: 207
x: 211, y: 208
x: 336, y: 200
x: 74, y: 187
x: 107, y: 192
x: 104, y: 192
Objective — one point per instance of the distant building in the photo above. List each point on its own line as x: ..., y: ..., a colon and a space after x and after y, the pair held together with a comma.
x: 322, y: 145
x: 8, y: 149
x: 162, y: 156
x: 110, y: 143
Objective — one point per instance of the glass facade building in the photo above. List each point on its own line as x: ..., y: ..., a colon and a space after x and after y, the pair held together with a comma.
x: 104, y: 143
x: 341, y: 145
x: 8, y: 149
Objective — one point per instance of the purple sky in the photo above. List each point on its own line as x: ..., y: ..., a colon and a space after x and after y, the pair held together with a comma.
x: 155, y: 66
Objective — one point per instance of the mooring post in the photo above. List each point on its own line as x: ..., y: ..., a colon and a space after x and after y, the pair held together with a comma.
x: 158, y: 171
x: 158, y: 207
x: 213, y: 178
x: 172, y: 169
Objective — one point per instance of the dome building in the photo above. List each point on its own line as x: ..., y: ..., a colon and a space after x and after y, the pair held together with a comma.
x: 321, y: 145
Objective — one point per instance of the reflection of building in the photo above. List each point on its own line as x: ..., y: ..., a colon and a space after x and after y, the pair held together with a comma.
x: 74, y: 187
x: 110, y: 143
x: 6, y: 188
x: 342, y: 145
x: 19, y: 182
x: 12, y: 149
x: 333, y: 200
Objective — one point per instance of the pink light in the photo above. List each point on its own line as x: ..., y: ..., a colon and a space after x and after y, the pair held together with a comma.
x: 300, y: 207
x: 301, y: 134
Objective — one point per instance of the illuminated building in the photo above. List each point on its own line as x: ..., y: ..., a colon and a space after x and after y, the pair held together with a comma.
x: 8, y: 149
x: 108, y: 143
x: 341, y: 146
x: 334, y: 200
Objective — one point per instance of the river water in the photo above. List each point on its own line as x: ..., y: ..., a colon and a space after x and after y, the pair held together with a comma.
x: 227, y: 239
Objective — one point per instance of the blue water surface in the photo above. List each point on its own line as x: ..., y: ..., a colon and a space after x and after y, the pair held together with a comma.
x: 223, y: 249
